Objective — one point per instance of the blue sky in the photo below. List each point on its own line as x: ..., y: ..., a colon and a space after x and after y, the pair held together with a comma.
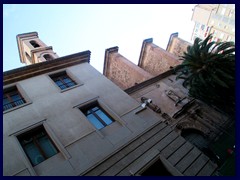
x: 78, y: 27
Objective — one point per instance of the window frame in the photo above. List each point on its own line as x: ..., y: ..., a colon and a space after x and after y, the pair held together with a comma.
x: 51, y: 134
x: 96, y: 99
x: 33, y: 132
x: 89, y: 107
x: 64, y: 73
x: 21, y: 93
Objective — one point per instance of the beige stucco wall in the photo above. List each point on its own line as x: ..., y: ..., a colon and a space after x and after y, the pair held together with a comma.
x: 79, y: 143
x: 201, y: 15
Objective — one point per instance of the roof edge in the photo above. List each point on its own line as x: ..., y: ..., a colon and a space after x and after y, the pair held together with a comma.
x: 29, y: 71
x: 106, y: 58
x: 173, y: 35
x: 149, y: 40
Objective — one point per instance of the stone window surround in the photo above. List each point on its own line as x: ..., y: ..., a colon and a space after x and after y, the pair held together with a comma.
x: 51, y: 135
x: 22, y: 93
x: 99, y: 122
x: 71, y: 76
x: 106, y: 108
x: 33, y: 135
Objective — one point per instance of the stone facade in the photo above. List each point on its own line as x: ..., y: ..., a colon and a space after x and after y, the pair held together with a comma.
x: 178, y: 109
x: 80, y: 144
x: 199, y: 123
x: 156, y: 60
x: 135, y: 140
x: 177, y: 46
x: 167, y: 94
x: 153, y: 61
x: 121, y: 71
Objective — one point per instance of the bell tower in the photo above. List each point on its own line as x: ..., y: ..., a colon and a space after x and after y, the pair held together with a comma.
x: 32, y: 50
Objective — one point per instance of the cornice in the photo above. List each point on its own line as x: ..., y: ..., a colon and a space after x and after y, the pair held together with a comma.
x: 29, y: 71
x: 148, y: 82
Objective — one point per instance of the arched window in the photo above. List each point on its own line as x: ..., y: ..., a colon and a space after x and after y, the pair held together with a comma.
x: 34, y: 44
x: 195, y: 137
x: 48, y: 57
x: 201, y: 142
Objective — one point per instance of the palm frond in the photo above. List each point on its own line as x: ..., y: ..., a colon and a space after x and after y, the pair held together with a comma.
x: 208, y: 71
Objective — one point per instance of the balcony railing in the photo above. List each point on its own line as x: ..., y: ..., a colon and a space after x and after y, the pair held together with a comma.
x: 13, y: 104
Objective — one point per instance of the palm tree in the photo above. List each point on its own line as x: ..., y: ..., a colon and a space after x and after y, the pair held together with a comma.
x: 208, y: 70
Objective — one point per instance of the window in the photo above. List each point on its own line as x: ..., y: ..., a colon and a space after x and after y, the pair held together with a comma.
x: 195, y: 137
x: 37, y: 145
x: 12, y: 98
x: 63, y: 80
x: 34, y: 44
x: 97, y: 116
x: 202, y: 27
x: 48, y: 57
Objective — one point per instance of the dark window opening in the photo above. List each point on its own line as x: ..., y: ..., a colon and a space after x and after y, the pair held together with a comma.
x: 37, y: 145
x: 156, y: 169
x: 34, y: 44
x: 198, y: 139
x: 195, y: 137
x: 63, y: 80
x: 96, y: 115
x: 48, y: 57
x: 12, y: 98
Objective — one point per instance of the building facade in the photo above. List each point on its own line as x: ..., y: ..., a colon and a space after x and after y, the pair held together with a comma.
x: 197, y: 122
x: 153, y: 61
x: 62, y: 117
x: 216, y: 19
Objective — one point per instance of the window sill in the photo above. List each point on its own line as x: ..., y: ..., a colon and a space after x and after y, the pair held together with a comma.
x: 72, y: 87
x: 17, y: 107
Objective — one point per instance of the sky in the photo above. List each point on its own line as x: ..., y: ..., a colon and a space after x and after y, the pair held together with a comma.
x: 75, y: 28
